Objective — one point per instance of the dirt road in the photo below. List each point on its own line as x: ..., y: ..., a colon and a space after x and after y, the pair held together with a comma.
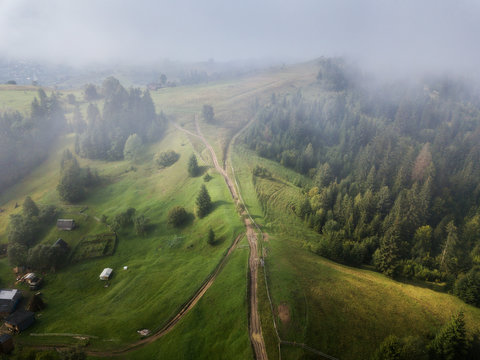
x: 255, y: 327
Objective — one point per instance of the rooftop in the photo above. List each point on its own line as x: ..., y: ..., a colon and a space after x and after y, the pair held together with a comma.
x: 8, y: 294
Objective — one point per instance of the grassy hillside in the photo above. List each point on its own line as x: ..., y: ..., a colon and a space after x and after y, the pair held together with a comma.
x: 164, y: 268
x: 342, y: 311
x: 16, y: 98
x: 213, y: 329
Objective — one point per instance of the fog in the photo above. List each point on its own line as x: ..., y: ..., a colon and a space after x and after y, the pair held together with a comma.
x: 386, y: 36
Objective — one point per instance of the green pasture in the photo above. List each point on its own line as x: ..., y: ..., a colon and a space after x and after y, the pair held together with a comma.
x: 164, y: 268
x: 217, y: 327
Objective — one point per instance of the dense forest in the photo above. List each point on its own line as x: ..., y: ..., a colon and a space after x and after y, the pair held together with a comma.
x: 25, y: 141
x: 396, y: 172
x: 103, y: 135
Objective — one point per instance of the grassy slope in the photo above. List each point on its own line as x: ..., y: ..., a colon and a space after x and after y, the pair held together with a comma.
x: 194, y: 337
x: 165, y: 268
x: 343, y: 311
x: 16, y: 98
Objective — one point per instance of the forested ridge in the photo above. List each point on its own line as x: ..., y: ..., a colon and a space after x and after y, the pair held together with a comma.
x: 396, y: 172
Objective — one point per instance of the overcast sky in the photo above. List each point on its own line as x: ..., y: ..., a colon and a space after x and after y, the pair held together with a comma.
x: 384, y: 34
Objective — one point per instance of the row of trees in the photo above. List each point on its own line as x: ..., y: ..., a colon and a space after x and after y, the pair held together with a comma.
x: 396, y: 175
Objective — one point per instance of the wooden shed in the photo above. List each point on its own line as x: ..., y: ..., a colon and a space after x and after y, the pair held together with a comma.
x: 19, y: 321
x: 65, y: 224
x: 106, y: 273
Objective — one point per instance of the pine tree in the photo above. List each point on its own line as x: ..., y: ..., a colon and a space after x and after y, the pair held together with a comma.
x: 204, y: 202
x: 193, y: 168
x: 211, y: 237
x: 451, y: 341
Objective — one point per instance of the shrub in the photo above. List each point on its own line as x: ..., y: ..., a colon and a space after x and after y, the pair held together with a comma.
x: 177, y: 216
x: 166, y: 158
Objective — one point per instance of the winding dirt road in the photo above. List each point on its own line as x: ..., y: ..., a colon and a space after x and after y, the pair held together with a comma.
x: 255, y: 327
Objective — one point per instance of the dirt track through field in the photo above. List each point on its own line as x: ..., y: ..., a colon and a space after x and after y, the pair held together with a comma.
x: 255, y: 327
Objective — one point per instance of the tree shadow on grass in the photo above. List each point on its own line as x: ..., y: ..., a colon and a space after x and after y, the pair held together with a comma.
x: 218, y: 241
x: 218, y: 203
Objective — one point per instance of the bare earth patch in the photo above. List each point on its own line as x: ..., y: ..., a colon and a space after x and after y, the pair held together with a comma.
x: 284, y: 313
x: 265, y: 237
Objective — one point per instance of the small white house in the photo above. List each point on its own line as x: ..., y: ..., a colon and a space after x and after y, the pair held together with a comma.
x: 106, y: 273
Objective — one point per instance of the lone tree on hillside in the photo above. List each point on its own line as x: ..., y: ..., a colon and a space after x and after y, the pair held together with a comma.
x: 204, y: 202
x: 177, y: 216
x: 207, y: 113
x: 211, y: 237
x: 193, y: 169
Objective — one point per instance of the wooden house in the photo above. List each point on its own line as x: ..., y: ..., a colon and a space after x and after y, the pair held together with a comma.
x: 19, y: 321
x: 65, y: 224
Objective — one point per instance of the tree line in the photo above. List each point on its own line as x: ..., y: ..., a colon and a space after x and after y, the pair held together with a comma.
x: 395, y: 173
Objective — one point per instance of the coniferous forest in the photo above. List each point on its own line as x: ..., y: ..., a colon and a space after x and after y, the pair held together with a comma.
x: 103, y: 135
x: 395, y: 172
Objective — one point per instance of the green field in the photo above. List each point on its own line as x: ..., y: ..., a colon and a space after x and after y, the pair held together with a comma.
x: 17, y: 98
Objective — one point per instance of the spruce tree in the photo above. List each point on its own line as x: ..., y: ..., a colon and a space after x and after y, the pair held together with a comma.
x: 451, y: 341
x: 193, y: 168
x: 204, y: 202
x: 211, y: 236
